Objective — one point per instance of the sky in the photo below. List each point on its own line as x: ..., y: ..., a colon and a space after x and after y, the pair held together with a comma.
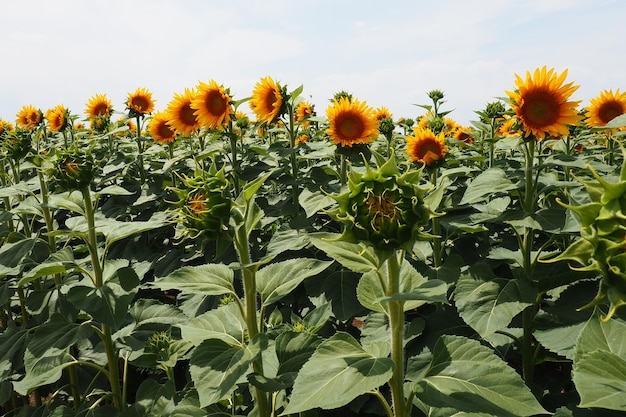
x: 384, y: 53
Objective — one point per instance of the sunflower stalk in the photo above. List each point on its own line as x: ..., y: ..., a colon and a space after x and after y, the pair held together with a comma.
x: 436, y: 242
x: 396, y: 325
x: 104, y: 331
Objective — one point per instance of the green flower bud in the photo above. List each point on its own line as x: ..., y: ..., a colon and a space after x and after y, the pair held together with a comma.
x: 602, y: 245
x: 75, y: 169
x: 204, y: 204
x: 382, y: 207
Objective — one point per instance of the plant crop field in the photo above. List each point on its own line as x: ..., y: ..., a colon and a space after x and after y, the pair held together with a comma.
x: 257, y: 257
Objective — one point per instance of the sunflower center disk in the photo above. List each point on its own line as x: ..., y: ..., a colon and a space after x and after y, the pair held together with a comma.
x: 350, y: 127
x: 540, y: 109
x: 609, y: 111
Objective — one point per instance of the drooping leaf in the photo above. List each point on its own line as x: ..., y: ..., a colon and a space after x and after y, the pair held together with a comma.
x: 216, y: 367
x: 470, y: 378
x: 224, y: 323
x: 276, y: 280
x: 487, y: 184
x: 354, y: 256
x: 600, y: 364
x: 488, y: 303
x: 12, y: 255
x: 209, y: 279
x: 339, y: 371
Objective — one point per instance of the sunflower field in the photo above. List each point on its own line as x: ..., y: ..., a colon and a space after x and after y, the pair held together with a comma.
x: 251, y: 257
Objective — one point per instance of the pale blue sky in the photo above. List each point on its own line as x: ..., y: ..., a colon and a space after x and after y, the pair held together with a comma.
x: 387, y: 54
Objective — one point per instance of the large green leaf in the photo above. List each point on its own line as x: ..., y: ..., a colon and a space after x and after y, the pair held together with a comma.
x: 600, y: 364
x: 486, y: 185
x: 42, y: 369
x: 12, y: 255
x: 488, y: 303
x: 278, y: 279
x: 57, y: 263
x: 107, y: 304
x: 209, y: 279
x: 58, y: 334
x: 415, y: 289
x: 224, y: 323
x: 354, y: 256
x: 216, y: 367
x: 470, y: 378
x: 12, y: 345
x: 313, y: 202
x: 339, y: 371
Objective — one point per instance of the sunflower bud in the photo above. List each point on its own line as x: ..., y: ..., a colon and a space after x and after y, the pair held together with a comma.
x: 383, y: 207
x: 204, y: 204
x: 75, y: 169
x: 602, y: 245
x: 17, y: 143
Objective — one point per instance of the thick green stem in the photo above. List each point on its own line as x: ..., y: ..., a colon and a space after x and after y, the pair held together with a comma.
x: 343, y: 171
x: 249, y: 288
x: 71, y: 370
x: 105, y: 334
x: 436, y: 227
x: 396, y: 324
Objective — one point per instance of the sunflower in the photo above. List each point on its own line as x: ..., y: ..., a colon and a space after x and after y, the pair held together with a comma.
x: 426, y: 147
x: 99, y: 105
x: 541, y: 103
x: 140, y: 102
x: 304, y: 110
x: 267, y: 100
x: 57, y: 117
x: 212, y: 105
x: 461, y: 133
x: 159, y: 129
x: 382, y: 113
x: 508, y: 128
x: 29, y: 117
x: 605, y: 107
x: 180, y: 114
x: 6, y: 127
x: 351, y: 122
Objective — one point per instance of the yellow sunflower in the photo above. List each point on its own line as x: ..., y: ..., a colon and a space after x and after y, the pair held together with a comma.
x: 382, y: 113
x: 29, y: 117
x: 99, y: 105
x: 508, y: 128
x: 304, y: 109
x: 351, y: 122
x: 6, y: 127
x: 426, y: 147
x: 605, y: 107
x: 57, y: 118
x: 212, y: 105
x: 462, y: 133
x: 541, y: 103
x: 267, y: 100
x: 140, y: 102
x: 180, y: 114
x: 160, y: 131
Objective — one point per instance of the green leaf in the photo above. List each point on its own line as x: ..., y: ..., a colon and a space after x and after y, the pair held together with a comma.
x: 285, y: 240
x: 12, y: 255
x: 115, y: 230
x: 470, y: 378
x: 600, y: 364
x: 224, y: 323
x: 294, y: 349
x: 216, y: 367
x: 42, y: 370
x: 339, y: 371
x: 58, y: 334
x: 114, y: 190
x: 209, y: 279
x: 354, y: 256
x: 488, y: 303
x: 107, y: 304
x: 415, y: 289
x: 12, y: 344
x: 314, y: 202
x: 57, y: 263
x: 278, y: 279
x: 486, y: 185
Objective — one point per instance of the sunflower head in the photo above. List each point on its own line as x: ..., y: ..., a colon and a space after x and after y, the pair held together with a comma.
x: 139, y: 103
x: 269, y: 100
x: 383, y: 207
x: 29, y: 117
x: 541, y: 103
x: 99, y: 105
x: 304, y: 110
x: 382, y: 113
x: 203, y: 206
x: 425, y: 147
x: 15, y: 143
x: 212, y: 105
x: 159, y: 129
x: 605, y: 107
x: 182, y: 117
x: 351, y: 122
x: 75, y: 169
x: 58, y: 118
